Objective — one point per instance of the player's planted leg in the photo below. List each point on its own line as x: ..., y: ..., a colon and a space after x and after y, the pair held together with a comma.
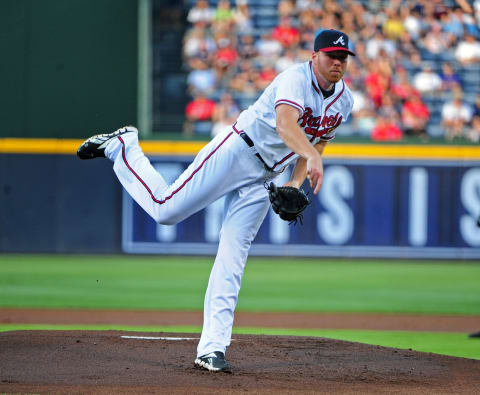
x: 214, y: 362
x: 245, y: 210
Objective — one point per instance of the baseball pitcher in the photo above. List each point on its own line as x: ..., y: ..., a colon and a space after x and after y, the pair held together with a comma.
x: 290, y: 123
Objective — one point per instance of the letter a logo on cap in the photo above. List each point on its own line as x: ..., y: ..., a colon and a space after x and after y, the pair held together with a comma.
x: 340, y: 40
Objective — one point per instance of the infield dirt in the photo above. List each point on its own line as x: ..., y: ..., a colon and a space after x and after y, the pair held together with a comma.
x: 102, y: 362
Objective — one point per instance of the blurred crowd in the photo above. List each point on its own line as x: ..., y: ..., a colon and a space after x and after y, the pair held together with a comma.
x: 416, y: 73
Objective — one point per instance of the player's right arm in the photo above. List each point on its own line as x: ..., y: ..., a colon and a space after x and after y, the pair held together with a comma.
x: 292, y: 135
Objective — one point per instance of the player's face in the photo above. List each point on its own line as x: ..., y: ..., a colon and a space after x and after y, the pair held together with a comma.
x: 330, y: 65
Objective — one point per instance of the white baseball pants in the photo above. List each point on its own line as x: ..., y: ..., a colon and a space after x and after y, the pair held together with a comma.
x: 225, y: 166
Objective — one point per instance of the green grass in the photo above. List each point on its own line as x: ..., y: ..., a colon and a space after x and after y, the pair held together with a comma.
x: 179, y: 283
x: 308, y: 285
x: 453, y: 344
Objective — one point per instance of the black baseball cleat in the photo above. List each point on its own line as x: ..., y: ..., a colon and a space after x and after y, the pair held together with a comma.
x: 214, y: 362
x: 94, y: 147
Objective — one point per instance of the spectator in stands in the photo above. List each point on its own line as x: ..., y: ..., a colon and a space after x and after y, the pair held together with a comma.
x: 405, y: 46
x: 401, y: 87
x: 246, y: 47
x: 455, y: 116
x: 354, y: 77
x: 288, y: 59
x: 242, y: 17
x: 393, y: 27
x: 268, y: 47
x: 360, y: 15
x: 388, y: 108
x: 450, y: 79
x: 377, y: 43
x: 412, y: 22
x: 286, y: 34
x: 202, y: 79
x: 223, y: 12
x: 452, y: 23
x: 307, y: 30
x: 266, y: 76
x: 286, y: 8
x: 476, y: 10
x: 415, y: 116
x: 427, y: 81
x: 411, y: 60
x: 200, y: 109
x: 226, y: 55
x: 436, y: 43
x: 224, y: 114
x: 347, y: 21
x: 201, y: 12
x: 473, y: 131
x: 331, y: 7
x: 376, y: 83
x: 386, y: 130
x: 363, y: 116
x: 468, y: 20
x: 198, y: 47
x: 476, y: 107
x: 245, y: 79
x: 468, y: 50
x: 363, y: 122
x: 314, y: 7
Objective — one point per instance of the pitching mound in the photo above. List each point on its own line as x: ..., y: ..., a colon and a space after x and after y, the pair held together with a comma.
x: 105, y: 363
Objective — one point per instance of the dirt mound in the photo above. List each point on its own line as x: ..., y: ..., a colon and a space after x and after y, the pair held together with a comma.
x: 104, y: 362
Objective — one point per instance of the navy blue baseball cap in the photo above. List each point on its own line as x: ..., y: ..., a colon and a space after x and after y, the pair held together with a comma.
x: 332, y: 40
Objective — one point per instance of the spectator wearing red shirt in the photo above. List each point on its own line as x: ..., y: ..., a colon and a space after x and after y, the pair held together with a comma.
x: 401, y: 88
x: 415, y: 116
x: 376, y: 83
x: 286, y: 34
x: 200, y: 109
x: 386, y: 130
x: 226, y: 55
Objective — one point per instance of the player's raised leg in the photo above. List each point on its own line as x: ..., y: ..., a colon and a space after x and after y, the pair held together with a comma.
x: 245, y: 210
x: 221, y: 166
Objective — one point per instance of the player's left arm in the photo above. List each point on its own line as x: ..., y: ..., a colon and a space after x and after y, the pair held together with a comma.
x: 299, y: 172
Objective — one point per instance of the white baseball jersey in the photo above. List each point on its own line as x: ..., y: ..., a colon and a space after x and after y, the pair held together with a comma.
x: 318, y: 117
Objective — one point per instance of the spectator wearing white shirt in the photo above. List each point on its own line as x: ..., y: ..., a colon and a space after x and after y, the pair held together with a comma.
x: 378, y: 43
x: 268, y: 47
x: 201, y: 12
x: 455, y: 116
x: 468, y: 50
x: 412, y: 22
x: 427, y: 81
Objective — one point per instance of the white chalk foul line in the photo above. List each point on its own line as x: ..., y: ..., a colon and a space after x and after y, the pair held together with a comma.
x: 159, y: 338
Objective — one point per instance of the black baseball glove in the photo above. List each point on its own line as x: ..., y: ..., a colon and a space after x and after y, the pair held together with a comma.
x: 288, y: 202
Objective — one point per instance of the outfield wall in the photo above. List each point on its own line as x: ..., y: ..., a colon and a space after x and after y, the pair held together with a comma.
x: 366, y: 208
x: 376, y: 201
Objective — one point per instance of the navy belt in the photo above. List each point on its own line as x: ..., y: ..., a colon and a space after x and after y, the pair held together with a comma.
x: 249, y: 142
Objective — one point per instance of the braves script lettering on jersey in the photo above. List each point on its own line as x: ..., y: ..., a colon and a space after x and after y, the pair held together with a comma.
x: 236, y: 164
